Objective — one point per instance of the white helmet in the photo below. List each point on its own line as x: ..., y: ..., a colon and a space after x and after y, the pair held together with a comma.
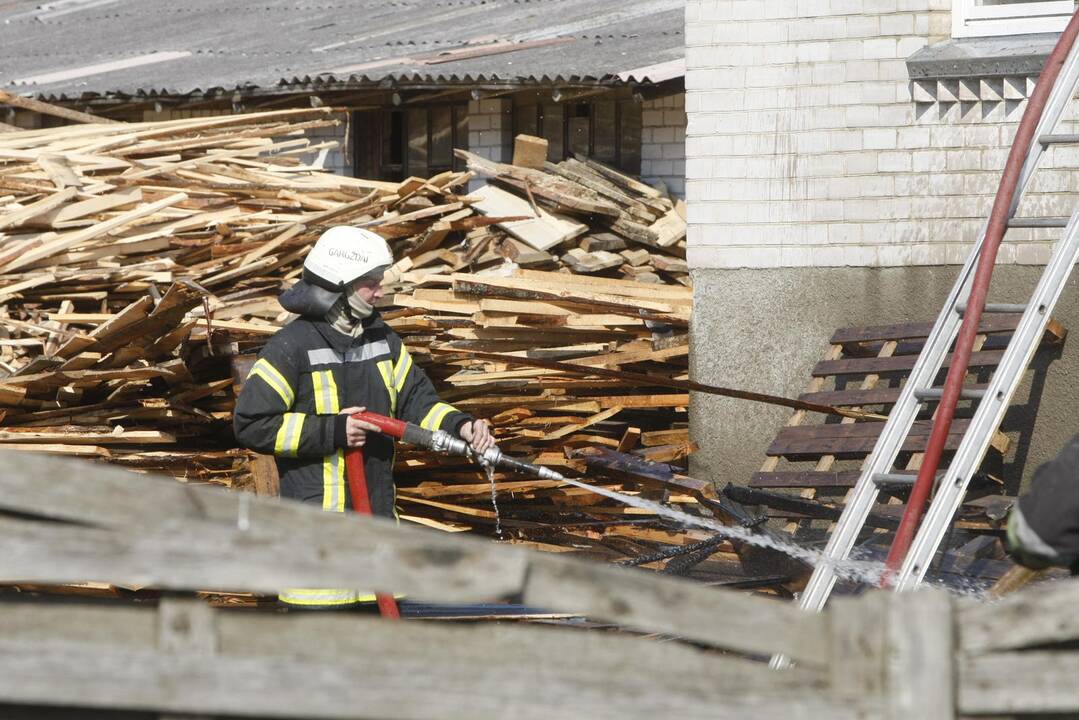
x: 343, y: 254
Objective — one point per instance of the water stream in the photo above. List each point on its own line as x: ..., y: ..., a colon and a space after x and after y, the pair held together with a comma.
x: 490, y: 470
x: 867, y: 572
x: 861, y: 571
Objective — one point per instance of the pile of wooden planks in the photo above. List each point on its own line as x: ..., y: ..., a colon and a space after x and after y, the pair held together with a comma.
x: 137, y: 260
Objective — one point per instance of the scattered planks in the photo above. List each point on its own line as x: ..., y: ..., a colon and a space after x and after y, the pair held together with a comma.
x: 137, y: 261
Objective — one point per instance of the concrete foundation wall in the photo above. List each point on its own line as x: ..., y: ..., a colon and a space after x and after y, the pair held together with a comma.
x: 765, y: 329
x: 663, y: 142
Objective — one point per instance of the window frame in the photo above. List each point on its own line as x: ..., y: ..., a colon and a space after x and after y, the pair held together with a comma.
x: 621, y: 160
x: 376, y: 134
x: 1032, y: 16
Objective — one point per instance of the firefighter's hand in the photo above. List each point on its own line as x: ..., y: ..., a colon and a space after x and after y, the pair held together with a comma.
x: 356, y: 430
x: 478, y: 434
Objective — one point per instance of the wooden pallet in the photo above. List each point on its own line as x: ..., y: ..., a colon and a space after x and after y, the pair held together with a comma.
x: 814, y: 461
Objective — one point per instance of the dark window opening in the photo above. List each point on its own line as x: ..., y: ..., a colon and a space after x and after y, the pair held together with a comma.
x: 399, y: 143
x: 607, y: 130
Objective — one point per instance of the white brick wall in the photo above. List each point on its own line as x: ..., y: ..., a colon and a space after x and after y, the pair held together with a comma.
x: 807, y: 144
x: 490, y: 132
x: 339, y: 159
x: 663, y: 142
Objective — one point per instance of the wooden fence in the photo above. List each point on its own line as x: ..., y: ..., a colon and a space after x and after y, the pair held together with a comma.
x: 923, y: 655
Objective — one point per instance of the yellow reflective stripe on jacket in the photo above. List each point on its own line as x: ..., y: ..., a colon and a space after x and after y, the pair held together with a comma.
x: 325, y: 389
x: 269, y: 374
x: 401, y: 369
x: 322, y: 596
x: 333, y: 465
x: 385, y: 369
x: 434, y: 417
x: 288, y: 435
x: 333, y: 482
x: 305, y: 596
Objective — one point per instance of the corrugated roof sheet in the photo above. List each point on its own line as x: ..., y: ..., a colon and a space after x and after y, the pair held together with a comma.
x: 62, y: 46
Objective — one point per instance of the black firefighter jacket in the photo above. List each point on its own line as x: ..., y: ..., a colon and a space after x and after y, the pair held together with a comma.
x: 1043, y: 528
x: 304, y: 377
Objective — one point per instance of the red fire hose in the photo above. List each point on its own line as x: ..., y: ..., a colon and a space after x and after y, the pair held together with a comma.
x: 994, y: 233
x: 361, y: 503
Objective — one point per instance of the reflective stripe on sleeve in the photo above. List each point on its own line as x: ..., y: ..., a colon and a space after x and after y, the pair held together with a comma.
x: 269, y: 374
x: 434, y: 417
x: 401, y: 370
x: 288, y: 435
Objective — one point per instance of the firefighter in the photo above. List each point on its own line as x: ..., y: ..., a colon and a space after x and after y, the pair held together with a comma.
x: 1043, y: 528
x: 337, y: 358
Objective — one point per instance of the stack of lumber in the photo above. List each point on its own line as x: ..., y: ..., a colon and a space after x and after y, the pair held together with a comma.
x: 138, y: 260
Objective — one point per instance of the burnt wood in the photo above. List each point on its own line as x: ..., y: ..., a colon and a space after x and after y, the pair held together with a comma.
x: 899, y: 363
x: 859, y: 398
x: 852, y: 439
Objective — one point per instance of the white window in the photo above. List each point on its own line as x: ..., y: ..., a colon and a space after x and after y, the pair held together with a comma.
x: 978, y: 18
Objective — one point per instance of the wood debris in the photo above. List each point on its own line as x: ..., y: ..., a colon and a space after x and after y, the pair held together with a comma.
x: 137, y: 261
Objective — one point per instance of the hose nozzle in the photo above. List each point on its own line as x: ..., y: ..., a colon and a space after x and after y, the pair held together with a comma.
x: 495, y: 457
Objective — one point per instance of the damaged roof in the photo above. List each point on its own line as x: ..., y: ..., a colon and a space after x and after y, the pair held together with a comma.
x: 67, y: 49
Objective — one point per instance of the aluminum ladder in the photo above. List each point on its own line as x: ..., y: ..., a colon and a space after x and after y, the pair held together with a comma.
x: 994, y: 400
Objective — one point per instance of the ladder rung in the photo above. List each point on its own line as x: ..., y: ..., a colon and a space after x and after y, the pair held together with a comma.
x: 1058, y: 139
x: 936, y: 393
x: 1010, y: 308
x: 894, y: 478
x: 1038, y: 222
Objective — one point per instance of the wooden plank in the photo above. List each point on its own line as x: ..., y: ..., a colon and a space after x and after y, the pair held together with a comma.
x: 1043, y: 615
x: 992, y: 323
x: 636, y: 600
x: 898, y: 363
x: 670, y: 228
x: 529, y: 151
x: 233, y: 663
x: 855, y: 439
x: 1019, y: 683
x: 899, y: 648
x: 645, y: 291
x: 878, y: 396
x: 804, y: 479
x: 44, y: 205
x: 74, y: 239
x: 212, y: 538
x: 620, y: 178
x: 74, y: 436
x: 786, y: 505
x: 45, y: 108
x: 542, y: 232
